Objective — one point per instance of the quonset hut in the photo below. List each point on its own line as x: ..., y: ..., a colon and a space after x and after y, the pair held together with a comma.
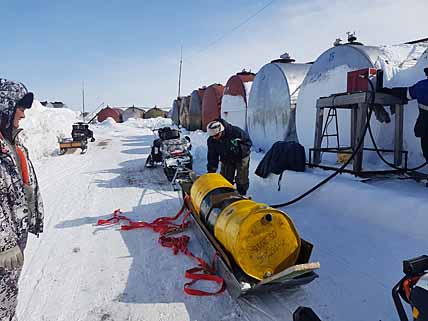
x: 195, y: 109
x: 132, y: 112
x: 107, y: 112
x: 211, y: 104
x: 154, y: 113
x: 272, y: 102
x: 184, y: 111
x: 235, y: 99
x: 328, y: 75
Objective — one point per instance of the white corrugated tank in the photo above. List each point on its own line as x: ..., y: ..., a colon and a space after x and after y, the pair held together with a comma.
x: 328, y: 75
x: 274, y: 92
x: 235, y: 98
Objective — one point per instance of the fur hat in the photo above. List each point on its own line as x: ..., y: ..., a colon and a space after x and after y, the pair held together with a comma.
x: 12, y: 94
x: 214, y: 127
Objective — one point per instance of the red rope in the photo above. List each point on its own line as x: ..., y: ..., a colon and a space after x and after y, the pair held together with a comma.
x: 165, y: 225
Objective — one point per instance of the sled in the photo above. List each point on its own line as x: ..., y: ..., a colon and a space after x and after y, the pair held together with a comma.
x: 237, y: 282
x: 68, y: 144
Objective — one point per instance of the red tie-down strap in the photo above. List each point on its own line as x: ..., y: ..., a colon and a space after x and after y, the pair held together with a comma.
x: 203, y: 273
x: 165, y: 225
x: 161, y: 225
x: 116, y: 218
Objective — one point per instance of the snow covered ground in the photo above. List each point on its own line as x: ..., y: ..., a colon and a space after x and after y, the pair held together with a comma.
x: 80, y: 272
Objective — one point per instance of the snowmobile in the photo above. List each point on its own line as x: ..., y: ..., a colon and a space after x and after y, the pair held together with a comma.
x: 79, y: 138
x: 412, y: 289
x: 172, y: 151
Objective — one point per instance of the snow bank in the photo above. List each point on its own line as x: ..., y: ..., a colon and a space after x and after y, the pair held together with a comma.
x: 151, y: 123
x: 42, y: 127
x: 109, y: 122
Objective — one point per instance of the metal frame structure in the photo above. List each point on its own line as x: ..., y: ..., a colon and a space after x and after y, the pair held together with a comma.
x: 358, y: 104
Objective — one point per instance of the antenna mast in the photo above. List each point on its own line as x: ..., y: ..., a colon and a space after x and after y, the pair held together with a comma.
x: 179, y: 74
x: 83, y: 100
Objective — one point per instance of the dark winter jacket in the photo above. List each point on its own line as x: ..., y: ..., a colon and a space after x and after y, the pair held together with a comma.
x: 231, y: 148
x: 282, y: 156
x: 419, y: 91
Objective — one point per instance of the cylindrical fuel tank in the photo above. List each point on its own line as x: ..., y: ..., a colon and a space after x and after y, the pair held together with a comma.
x: 175, y: 114
x: 272, y: 102
x: 262, y: 240
x: 328, y: 75
x: 211, y: 104
x: 184, y: 111
x: 195, y: 109
x: 235, y: 99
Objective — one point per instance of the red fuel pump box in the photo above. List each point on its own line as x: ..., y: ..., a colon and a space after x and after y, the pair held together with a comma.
x: 358, y: 80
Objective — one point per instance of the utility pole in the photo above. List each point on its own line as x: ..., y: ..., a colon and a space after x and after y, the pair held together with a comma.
x: 83, y: 100
x: 179, y: 74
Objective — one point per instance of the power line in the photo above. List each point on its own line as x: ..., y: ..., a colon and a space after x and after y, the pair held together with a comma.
x: 245, y: 21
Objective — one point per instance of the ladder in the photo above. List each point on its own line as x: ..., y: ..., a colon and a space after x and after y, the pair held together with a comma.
x: 331, y: 116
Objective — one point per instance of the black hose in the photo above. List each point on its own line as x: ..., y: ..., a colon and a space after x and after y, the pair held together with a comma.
x: 338, y: 171
x: 406, y: 170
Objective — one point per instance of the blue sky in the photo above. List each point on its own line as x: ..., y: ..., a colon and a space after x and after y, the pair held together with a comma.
x: 127, y: 51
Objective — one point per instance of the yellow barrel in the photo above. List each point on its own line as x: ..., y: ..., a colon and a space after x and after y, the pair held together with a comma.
x: 262, y: 240
x: 205, y: 184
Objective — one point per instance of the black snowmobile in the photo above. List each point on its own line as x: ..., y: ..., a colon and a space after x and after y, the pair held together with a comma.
x: 412, y: 289
x: 172, y: 151
x: 79, y: 138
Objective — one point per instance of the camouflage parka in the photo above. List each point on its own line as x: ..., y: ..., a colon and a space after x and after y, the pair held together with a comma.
x: 21, y: 207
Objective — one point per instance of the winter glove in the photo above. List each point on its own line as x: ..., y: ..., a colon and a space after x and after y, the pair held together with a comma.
x: 12, y: 259
x: 381, y: 114
x: 235, y: 146
x: 235, y: 142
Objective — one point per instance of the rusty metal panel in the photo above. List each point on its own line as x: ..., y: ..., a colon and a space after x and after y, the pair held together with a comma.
x: 184, y: 111
x: 234, y: 103
x: 195, y: 109
x: 175, y: 115
x: 211, y: 104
